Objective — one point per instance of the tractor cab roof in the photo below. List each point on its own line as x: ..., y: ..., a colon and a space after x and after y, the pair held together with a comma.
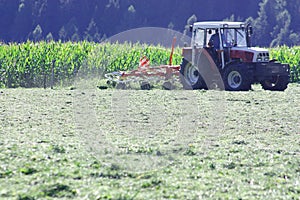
x: 218, y: 24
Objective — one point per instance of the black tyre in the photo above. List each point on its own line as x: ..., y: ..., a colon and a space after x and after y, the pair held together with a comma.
x: 190, y: 76
x: 277, y: 83
x: 111, y: 83
x: 168, y: 86
x: 235, y: 78
x: 145, y: 86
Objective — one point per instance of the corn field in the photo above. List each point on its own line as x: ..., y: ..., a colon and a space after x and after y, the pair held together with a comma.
x: 291, y: 56
x: 34, y: 64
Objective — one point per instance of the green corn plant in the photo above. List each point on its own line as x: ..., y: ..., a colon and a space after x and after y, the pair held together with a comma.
x: 291, y: 56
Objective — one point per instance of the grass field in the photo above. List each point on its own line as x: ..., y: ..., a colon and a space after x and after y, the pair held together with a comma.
x: 111, y: 144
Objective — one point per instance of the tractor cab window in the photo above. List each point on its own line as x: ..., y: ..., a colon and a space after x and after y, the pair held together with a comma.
x: 234, y: 38
x: 199, y: 38
x: 241, y: 38
x: 213, y: 37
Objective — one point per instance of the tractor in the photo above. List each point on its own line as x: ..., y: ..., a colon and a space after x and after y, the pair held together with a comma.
x: 221, y: 55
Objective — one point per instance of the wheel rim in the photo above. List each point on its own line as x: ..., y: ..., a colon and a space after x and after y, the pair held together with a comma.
x: 234, y: 79
x: 192, y: 74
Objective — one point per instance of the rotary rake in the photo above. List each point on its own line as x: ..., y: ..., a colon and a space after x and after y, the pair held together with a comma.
x: 146, y: 75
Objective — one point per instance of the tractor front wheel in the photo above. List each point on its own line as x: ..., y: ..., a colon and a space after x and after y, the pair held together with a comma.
x: 277, y: 83
x: 235, y: 79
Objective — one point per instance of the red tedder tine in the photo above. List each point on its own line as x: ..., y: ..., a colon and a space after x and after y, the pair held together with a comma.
x: 171, y: 55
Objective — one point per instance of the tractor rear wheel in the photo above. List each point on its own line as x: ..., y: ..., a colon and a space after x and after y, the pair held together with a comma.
x: 235, y: 79
x: 278, y: 83
x: 190, y: 76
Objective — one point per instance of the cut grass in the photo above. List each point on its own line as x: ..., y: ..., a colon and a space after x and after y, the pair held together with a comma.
x: 111, y: 144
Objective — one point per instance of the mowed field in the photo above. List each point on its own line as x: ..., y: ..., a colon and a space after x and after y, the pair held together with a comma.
x: 87, y: 143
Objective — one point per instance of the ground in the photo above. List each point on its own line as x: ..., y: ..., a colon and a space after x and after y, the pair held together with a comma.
x: 111, y: 144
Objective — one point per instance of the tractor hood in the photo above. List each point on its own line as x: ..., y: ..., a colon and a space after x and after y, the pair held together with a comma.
x: 251, y: 49
x: 250, y: 54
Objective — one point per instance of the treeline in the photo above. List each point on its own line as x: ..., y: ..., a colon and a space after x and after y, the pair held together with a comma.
x: 276, y: 22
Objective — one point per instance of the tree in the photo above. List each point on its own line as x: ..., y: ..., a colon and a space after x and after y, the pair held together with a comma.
x: 37, y: 34
x: 62, y: 34
x: 273, y: 26
x: 75, y: 37
x: 22, y: 24
x: 49, y: 37
x: 171, y: 25
x: 281, y: 31
x: 128, y: 20
x: 293, y: 6
x: 262, y: 32
x: 97, y: 37
x: 91, y: 31
x: 51, y: 18
x: 189, y: 22
x: 72, y: 30
x: 115, y: 3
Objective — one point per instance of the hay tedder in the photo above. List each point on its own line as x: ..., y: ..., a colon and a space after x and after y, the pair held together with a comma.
x: 220, y: 56
x: 145, y: 75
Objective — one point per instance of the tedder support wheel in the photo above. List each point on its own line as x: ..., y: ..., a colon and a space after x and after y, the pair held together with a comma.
x: 190, y: 76
x: 145, y: 85
x: 278, y: 83
x: 167, y: 85
x: 235, y: 79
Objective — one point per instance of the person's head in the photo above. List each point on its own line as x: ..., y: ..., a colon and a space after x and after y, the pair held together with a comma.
x: 216, y: 31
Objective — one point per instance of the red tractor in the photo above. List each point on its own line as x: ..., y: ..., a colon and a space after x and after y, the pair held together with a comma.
x: 221, y: 56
